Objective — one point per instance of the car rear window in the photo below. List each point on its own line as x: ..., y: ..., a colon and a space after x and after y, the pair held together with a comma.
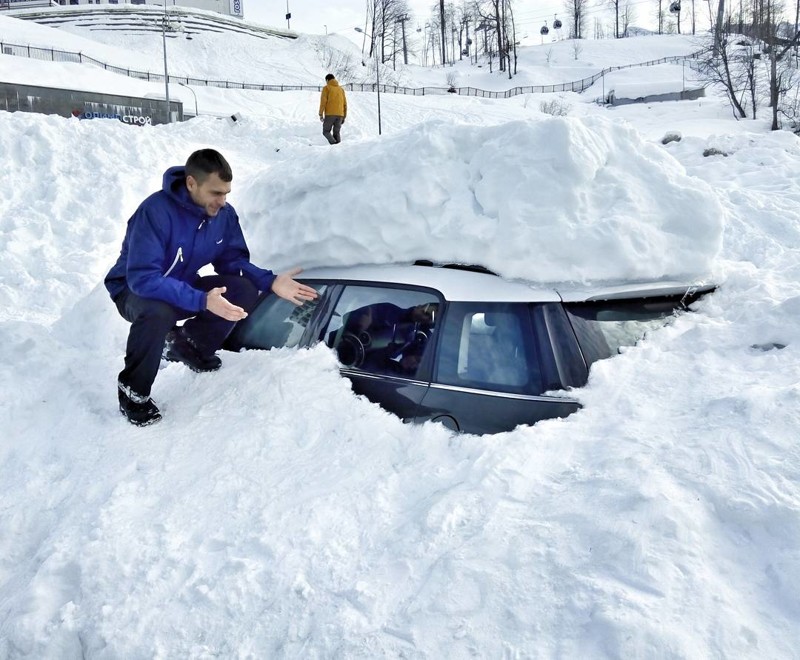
x: 603, y: 328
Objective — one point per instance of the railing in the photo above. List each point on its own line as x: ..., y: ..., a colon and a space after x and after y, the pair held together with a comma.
x: 53, y: 55
x: 7, y: 4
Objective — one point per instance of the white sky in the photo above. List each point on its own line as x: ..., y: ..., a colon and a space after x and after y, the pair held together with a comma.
x: 274, y: 514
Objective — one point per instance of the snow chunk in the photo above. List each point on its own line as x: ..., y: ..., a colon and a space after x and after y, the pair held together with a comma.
x: 551, y: 200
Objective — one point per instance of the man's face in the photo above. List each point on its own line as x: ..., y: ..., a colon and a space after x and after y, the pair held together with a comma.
x: 210, y: 194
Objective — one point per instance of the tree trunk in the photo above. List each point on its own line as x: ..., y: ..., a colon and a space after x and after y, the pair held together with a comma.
x: 444, y: 46
x: 773, y: 85
x: 718, y: 29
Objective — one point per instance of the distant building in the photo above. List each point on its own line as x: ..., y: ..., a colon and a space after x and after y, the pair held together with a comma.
x: 22, y: 4
x: 227, y: 7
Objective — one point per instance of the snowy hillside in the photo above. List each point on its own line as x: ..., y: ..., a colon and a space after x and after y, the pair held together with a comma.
x: 273, y: 514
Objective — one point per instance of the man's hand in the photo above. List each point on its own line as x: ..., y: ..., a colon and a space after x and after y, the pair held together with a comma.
x: 321, y: 118
x: 342, y: 121
x: 285, y: 287
x: 216, y: 304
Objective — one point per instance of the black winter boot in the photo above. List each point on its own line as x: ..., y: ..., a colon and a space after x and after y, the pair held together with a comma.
x: 180, y: 348
x: 138, y: 410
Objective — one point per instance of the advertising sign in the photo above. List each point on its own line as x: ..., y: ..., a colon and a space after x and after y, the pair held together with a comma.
x: 236, y: 8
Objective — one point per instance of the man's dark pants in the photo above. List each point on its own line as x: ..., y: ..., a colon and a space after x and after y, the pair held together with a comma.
x: 151, y: 320
x: 332, y: 122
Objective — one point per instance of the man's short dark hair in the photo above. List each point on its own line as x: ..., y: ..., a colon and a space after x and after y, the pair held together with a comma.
x: 208, y: 161
x: 330, y: 76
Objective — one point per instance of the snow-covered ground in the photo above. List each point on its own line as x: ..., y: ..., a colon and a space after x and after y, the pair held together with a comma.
x: 272, y: 513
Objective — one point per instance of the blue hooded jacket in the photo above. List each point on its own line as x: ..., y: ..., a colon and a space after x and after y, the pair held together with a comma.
x: 170, y: 238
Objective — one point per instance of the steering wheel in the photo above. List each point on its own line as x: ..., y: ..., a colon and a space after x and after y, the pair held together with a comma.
x: 422, y: 335
x: 351, y: 350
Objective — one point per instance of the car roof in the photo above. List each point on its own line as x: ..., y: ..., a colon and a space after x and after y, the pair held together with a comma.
x: 453, y: 283
x: 465, y: 284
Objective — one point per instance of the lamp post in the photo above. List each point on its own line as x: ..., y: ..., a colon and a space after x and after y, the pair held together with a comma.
x: 166, y: 73
x: 377, y: 73
x: 196, y: 112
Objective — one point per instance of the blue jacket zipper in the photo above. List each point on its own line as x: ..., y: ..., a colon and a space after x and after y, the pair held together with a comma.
x: 178, y: 257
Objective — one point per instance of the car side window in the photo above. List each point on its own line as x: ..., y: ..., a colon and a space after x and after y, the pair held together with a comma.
x: 489, y: 346
x: 603, y: 328
x: 276, y: 322
x: 381, y: 330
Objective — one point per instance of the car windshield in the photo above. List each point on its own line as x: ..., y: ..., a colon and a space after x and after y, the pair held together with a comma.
x: 274, y: 323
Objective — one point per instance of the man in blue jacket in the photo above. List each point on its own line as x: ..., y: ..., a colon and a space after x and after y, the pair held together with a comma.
x: 155, y: 282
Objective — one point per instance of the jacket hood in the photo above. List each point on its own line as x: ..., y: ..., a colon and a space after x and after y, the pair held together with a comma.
x: 174, y: 185
x: 174, y: 178
x: 333, y: 82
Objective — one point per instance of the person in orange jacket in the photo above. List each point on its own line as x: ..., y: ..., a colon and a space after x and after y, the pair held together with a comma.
x: 332, y: 109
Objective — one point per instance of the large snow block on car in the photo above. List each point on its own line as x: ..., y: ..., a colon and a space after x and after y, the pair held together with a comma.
x: 548, y: 200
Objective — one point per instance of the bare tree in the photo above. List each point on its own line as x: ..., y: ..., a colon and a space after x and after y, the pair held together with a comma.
x: 577, y: 10
x: 720, y: 68
x: 782, y: 72
x: 734, y: 60
x: 628, y: 16
x: 333, y: 59
x: 385, y: 26
x: 615, y: 5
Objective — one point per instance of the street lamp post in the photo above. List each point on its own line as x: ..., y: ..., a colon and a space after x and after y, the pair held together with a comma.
x: 166, y: 73
x: 377, y: 73
x: 196, y: 112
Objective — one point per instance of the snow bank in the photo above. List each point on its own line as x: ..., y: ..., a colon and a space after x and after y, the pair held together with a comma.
x: 559, y: 199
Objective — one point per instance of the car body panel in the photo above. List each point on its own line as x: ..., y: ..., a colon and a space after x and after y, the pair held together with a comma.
x: 400, y: 396
x: 481, y: 411
x: 492, y: 347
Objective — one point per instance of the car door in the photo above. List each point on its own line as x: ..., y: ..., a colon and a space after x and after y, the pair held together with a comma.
x: 383, y: 336
x: 492, y: 370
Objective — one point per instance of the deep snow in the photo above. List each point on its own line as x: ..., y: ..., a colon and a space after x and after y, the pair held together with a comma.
x: 274, y: 514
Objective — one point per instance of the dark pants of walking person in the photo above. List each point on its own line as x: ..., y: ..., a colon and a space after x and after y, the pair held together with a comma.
x: 151, y: 320
x: 332, y: 122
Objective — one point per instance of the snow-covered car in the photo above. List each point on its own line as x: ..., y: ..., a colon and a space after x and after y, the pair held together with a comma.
x: 459, y: 345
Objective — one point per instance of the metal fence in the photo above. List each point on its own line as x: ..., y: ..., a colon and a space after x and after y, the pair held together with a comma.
x: 53, y: 55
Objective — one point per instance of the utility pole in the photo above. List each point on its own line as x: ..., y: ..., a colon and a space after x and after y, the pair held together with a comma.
x: 166, y: 72
x: 486, y: 44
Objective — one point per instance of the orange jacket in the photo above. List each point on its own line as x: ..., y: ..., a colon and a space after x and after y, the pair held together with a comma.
x: 332, y: 101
